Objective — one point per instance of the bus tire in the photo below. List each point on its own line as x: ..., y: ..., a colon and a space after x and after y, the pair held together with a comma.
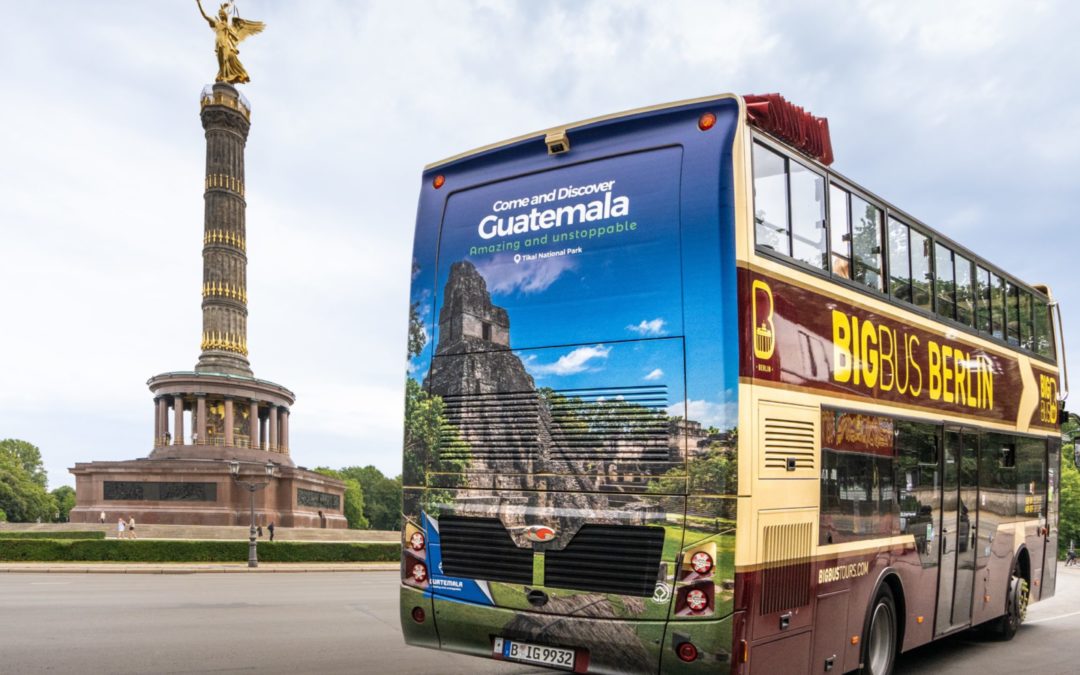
x: 1016, y: 603
x: 879, y: 636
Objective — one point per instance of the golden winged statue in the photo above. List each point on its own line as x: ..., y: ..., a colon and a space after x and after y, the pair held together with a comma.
x: 229, y: 31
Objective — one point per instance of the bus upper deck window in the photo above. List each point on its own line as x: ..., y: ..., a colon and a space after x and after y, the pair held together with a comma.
x: 899, y: 261
x: 770, y: 200
x: 866, y: 242
x: 840, y: 232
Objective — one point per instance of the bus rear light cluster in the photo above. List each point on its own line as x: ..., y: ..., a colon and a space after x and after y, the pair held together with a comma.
x: 702, y: 562
x: 687, y: 652
x: 695, y: 600
x: 418, y: 572
x: 416, y: 541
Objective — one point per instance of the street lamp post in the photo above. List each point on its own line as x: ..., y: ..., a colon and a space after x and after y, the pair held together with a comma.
x: 252, y: 487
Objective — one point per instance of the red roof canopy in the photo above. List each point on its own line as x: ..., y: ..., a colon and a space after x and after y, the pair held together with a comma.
x: 776, y: 115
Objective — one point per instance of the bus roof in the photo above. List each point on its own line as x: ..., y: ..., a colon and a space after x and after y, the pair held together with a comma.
x: 586, y: 122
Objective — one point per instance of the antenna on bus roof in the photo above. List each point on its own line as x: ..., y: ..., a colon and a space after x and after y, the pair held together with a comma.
x: 774, y: 114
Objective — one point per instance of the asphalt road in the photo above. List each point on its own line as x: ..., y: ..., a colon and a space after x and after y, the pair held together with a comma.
x: 347, y: 623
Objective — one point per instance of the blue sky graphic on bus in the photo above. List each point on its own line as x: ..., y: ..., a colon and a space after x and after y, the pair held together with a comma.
x: 592, y: 259
x: 583, y: 254
x: 445, y: 587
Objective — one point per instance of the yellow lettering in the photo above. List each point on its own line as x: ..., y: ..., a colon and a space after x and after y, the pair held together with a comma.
x: 870, y: 354
x: 914, y: 363
x: 934, y: 367
x: 887, y: 357
x: 841, y: 340
x: 946, y: 373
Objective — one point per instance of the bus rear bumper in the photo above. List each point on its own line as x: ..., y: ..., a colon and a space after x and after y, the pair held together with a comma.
x: 603, y: 645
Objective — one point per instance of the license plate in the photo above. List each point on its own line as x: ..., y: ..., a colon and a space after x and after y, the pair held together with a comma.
x: 554, y: 657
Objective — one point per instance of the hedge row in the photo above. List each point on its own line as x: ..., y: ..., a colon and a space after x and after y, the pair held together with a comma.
x: 89, y: 534
x: 150, y: 550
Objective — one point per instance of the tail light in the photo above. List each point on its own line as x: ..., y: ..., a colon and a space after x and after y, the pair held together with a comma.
x: 702, y: 562
x: 418, y: 614
x: 687, y: 652
x: 696, y: 600
x: 418, y: 571
x: 416, y: 541
x: 706, y: 121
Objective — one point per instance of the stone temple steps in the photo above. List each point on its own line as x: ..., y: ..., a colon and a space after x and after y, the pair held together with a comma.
x: 198, y: 532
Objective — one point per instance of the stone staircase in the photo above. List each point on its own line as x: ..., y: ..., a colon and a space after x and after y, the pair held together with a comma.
x: 209, y: 532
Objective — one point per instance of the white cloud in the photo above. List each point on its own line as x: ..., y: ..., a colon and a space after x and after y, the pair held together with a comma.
x: 649, y: 328
x: 655, y: 375
x: 577, y: 361
x: 503, y: 275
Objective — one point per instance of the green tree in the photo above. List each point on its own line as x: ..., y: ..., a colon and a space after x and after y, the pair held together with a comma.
x: 354, y: 498
x: 29, y: 456
x: 1069, y: 504
x: 382, y: 496
x: 22, y: 498
x: 64, y: 496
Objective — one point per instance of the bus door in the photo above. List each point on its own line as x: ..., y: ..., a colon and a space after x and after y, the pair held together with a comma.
x: 959, y: 530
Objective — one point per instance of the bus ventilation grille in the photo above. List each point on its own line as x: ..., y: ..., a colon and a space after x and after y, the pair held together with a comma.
x: 620, y: 559
x: 612, y: 423
x: 491, y: 426
x: 789, y: 444
x: 481, y: 548
x: 785, y: 579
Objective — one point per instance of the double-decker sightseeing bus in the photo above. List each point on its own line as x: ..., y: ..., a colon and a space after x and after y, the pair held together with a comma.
x: 683, y: 399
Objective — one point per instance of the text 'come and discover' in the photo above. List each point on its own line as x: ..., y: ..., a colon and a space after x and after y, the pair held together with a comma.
x: 605, y: 205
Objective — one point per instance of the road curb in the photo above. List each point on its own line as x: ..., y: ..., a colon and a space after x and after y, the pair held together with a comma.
x: 124, y: 569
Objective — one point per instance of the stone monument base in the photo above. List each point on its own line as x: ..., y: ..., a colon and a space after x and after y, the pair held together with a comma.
x: 202, y: 492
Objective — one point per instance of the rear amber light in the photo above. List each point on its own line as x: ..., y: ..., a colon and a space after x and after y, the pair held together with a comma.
x: 701, y: 562
x: 416, y: 541
x: 418, y: 614
x: 439, y: 181
x: 687, y: 652
x: 697, y: 601
x: 854, y: 639
x: 419, y: 572
x: 706, y: 121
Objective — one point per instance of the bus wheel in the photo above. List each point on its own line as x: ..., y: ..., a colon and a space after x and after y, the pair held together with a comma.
x: 879, y: 642
x: 1016, y: 604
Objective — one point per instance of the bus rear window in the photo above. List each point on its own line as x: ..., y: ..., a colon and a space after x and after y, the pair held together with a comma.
x: 585, y: 253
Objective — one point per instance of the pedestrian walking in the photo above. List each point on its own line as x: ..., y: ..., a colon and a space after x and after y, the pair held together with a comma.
x: 270, y: 528
x: 120, y: 525
x: 102, y: 517
x: 259, y: 530
x: 131, y: 528
x: 1070, y: 558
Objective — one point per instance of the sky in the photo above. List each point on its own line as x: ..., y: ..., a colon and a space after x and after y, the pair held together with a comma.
x: 964, y: 114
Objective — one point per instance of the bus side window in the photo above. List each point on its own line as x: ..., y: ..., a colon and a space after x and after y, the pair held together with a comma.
x: 945, y: 283
x: 997, y: 289
x: 866, y: 242
x: 1027, y: 327
x: 965, y: 295
x: 918, y: 483
x: 920, y: 270
x: 982, y: 299
x: 808, y: 242
x: 840, y: 231
x: 770, y: 200
x: 899, y: 261
x: 1012, y: 313
x: 1044, y: 343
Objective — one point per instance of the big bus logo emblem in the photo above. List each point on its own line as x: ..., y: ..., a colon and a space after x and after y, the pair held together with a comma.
x: 540, y: 533
x: 761, y: 302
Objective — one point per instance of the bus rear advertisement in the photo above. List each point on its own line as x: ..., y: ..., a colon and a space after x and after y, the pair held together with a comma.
x: 680, y: 398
